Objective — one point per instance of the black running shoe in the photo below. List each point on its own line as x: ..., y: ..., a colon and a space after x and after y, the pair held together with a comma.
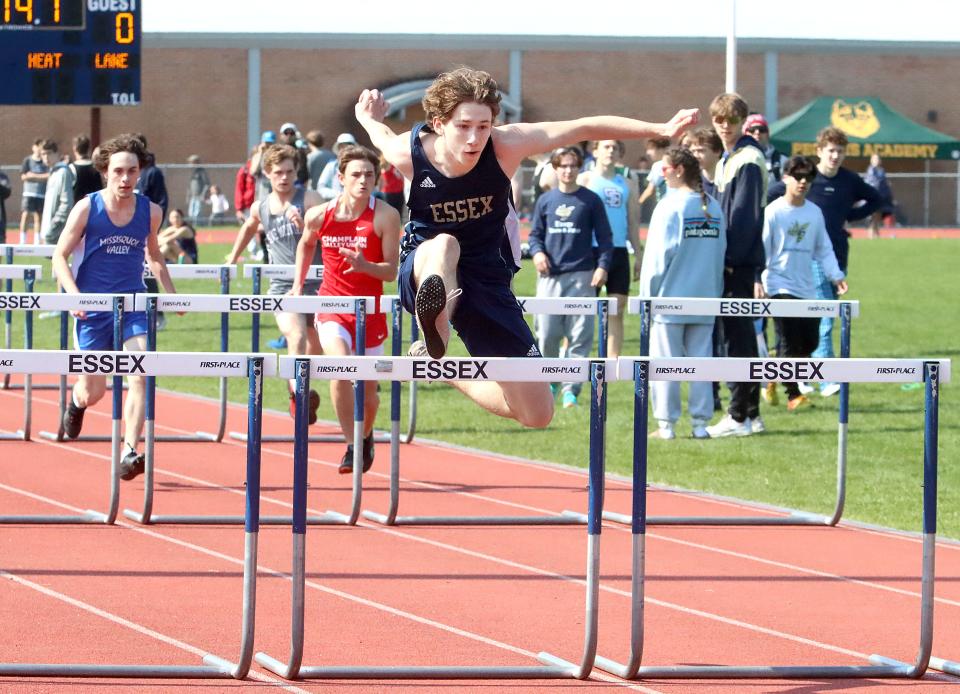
x: 346, y: 462
x: 132, y: 465
x: 368, y: 452
x: 430, y: 302
x: 73, y: 420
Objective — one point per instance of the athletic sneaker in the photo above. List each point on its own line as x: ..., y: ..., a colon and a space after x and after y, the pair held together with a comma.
x: 430, y: 302
x: 346, y: 462
x: 368, y: 452
x: 418, y: 349
x: 770, y: 395
x: 799, y: 402
x: 728, y: 426
x: 664, y: 431
x: 278, y: 343
x: 700, y: 430
x: 828, y: 389
x: 314, y: 406
x: 73, y: 420
x: 132, y: 465
x: 757, y: 426
x: 805, y: 388
x: 568, y: 400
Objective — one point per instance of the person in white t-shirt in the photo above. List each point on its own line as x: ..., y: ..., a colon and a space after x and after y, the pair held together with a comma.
x: 794, y: 234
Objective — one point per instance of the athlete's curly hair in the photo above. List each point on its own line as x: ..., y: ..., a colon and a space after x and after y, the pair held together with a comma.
x: 122, y: 143
x: 453, y: 88
x: 276, y: 154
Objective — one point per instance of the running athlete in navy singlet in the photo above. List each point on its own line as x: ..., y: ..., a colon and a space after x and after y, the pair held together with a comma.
x: 109, y: 234
x: 280, y: 217
x: 460, y: 165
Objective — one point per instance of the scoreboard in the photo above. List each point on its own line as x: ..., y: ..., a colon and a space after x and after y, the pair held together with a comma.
x: 82, y: 52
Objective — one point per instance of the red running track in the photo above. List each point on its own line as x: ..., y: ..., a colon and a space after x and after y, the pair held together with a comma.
x: 440, y: 595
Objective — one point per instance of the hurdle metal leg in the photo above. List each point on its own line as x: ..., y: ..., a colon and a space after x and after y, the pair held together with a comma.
x: 554, y: 667
x: 881, y: 667
x: 214, y: 667
x: 24, y: 433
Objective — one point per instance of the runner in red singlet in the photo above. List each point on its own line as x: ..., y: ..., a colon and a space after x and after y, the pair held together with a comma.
x: 360, y: 242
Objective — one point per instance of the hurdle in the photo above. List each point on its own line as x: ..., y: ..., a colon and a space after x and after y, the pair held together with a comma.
x: 257, y: 273
x: 572, y: 306
x: 29, y: 274
x: 407, y: 368
x: 931, y: 372
x: 757, y: 308
x: 118, y: 304
x: 254, y: 367
x: 257, y: 304
x: 10, y: 250
x: 223, y: 274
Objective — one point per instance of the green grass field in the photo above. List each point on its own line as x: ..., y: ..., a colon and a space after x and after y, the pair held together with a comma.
x: 907, y: 290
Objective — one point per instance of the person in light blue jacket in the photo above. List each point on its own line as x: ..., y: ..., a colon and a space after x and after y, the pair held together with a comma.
x: 684, y: 256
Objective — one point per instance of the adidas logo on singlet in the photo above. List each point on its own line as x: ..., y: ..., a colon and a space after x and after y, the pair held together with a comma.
x: 427, y: 183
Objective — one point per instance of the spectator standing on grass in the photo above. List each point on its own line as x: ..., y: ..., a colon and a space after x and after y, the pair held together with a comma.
x: 317, y: 158
x: 756, y: 127
x: 619, y: 196
x: 219, y: 205
x: 794, y: 234
x: 842, y: 197
x: 86, y: 178
x: 876, y: 178
x: 741, y: 180
x: 58, y: 198
x: 328, y: 185
x: 684, y: 257
x: 656, y: 185
x: 153, y: 186
x: 33, y: 174
x: 197, y: 190
x: 5, y: 191
x: 568, y: 222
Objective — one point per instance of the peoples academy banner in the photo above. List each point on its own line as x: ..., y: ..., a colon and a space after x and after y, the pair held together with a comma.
x: 871, y: 126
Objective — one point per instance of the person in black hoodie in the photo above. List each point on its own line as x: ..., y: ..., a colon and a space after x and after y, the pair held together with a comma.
x: 741, y: 181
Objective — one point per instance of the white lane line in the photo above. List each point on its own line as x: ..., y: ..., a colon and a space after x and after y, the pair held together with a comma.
x: 261, y: 569
x: 133, y: 626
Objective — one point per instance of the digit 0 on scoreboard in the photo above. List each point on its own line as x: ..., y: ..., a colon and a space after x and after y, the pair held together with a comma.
x: 83, y: 52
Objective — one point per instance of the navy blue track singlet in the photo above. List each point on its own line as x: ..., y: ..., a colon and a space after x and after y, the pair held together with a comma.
x: 472, y: 208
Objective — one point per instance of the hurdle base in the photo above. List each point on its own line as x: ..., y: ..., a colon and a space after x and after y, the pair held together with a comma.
x: 575, y: 671
x: 88, y: 517
x: 158, y: 519
x: 794, y: 518
x: 139, y: 671
x: 570, y: 519
x: 19, y: 435
x: 42, y: 386
x: 947, y: 666
x: 718, y: 672
x: 378, y: 437
x: 416, y: 672
x: 98, y: 438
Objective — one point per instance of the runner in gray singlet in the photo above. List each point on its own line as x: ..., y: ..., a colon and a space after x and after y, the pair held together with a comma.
x: 281, y: 217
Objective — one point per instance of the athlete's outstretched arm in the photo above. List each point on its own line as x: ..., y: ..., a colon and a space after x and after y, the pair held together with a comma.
x: 516, y: 141
x: 370, y: 110
x: 249, y: 228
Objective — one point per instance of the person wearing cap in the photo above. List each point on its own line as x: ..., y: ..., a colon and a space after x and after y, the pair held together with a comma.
x: 756, y: 127
x: 290, y: 135
x: 328, y: 185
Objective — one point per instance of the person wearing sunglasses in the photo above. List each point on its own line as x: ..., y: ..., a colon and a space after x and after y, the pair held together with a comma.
x: 756, y: 127
x: 794, y: 233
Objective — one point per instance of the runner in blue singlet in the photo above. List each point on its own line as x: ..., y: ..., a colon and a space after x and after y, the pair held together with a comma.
x: 459, y: 166
x: 109, y: 235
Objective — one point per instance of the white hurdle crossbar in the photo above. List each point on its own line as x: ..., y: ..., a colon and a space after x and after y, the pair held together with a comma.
x: 758, y: 308
x: 405, y: 368
x: 642, y: 370
x: 254, y: 367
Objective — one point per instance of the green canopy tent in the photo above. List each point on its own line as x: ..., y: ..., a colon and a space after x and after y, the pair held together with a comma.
x: 871, y: 126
